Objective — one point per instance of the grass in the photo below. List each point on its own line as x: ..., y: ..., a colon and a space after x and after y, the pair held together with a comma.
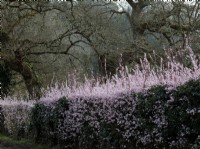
x: 9, y: 142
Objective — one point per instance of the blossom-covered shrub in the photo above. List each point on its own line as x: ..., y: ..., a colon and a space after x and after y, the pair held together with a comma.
x: 149, y: 108
x: 15, y: 117
x: 45, y: 119
x: 184, y: 115
x: 151, y: 112
x: 168, y: 119
x: 157, y: 118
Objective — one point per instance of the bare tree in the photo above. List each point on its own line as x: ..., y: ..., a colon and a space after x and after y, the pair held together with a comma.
x: 35, y: 35
x: 18, y: 48
x: 166, y: 22
x: 30, y: 36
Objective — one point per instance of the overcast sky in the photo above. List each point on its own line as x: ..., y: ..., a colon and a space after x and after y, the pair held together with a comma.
x: 122, y: 4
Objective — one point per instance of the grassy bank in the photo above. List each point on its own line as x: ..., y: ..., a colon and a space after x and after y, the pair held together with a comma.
x: 10, y: 143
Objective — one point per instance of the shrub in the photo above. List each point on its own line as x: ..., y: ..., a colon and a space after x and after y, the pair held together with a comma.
x: 184, y: 115
x: 45, y: 119
x: 16, y: 119
x: 157, y: 118
x: 151, y: 112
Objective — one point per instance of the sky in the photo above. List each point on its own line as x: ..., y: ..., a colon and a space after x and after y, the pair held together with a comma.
x: 122, y: 4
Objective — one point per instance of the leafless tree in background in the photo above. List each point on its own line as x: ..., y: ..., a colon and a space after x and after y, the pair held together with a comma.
x: 42, y: 37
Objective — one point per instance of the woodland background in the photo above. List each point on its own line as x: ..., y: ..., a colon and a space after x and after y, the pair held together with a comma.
x: 43, y: 42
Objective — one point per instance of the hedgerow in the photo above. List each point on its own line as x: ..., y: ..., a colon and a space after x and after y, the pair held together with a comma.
x: 45, y: 119
x: 148, y: 109
x: 156, y: 118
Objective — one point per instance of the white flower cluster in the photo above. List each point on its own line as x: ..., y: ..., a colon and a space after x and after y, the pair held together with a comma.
x: 142, y: 77
x: 16, y: 115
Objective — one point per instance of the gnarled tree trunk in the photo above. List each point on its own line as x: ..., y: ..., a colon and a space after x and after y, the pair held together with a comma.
x: 16, y: 63
x: 31, y: 81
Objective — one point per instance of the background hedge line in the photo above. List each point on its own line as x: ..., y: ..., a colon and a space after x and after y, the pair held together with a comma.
x: 157, y: 118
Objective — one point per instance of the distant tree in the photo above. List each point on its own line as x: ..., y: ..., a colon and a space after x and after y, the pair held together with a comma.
x: 73, y: 31
x: 14, y: 51
x: 158, y: 24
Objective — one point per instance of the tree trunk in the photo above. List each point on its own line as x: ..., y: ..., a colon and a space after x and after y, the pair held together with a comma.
x: 17, y: 64
x: 135, y: 18
x: 31, y: 81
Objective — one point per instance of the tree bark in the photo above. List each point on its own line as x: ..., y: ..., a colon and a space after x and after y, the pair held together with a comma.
x: 31, y: 81
x: 16, y: 63
x: 135, y: 18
